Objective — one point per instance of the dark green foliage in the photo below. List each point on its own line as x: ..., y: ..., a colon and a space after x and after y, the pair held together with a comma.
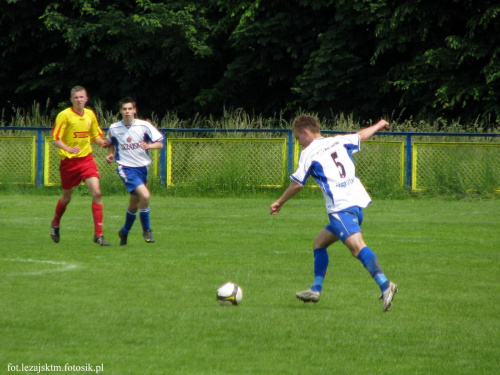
x: 444, y: 56
x: 424, y: 59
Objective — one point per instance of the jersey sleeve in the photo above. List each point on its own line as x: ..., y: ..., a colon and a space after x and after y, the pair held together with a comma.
x: 95, y: 128
x: 302, y: 172
x: 59, y: 127
x: 352, y: 142
x: 154, y: 134
x: 109, y: 135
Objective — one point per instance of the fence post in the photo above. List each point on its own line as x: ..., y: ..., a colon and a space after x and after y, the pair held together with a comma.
x: 163, y: 159
x: 290, y: 145
x: 40, y: 142
x: 408, y: 160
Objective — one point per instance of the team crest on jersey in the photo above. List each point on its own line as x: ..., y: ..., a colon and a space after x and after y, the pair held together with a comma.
x: 129, y: 139
x: 89, y: 124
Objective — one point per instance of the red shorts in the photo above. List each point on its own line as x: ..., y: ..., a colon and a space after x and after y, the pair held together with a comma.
x: 74, y: 171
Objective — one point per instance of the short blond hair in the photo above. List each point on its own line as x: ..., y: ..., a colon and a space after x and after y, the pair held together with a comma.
x: 76, y: 89
x: 306, y: 122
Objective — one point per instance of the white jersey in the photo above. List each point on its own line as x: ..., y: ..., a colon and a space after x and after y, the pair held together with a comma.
x: 329, y: 161
x: 126, y: 139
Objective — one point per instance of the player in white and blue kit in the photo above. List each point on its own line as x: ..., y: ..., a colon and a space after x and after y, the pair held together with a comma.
x: 130, y: 141
x: 330, y: 162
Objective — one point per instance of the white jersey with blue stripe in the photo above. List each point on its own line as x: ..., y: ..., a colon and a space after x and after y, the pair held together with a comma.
x: 126, y: 140
x: 330, y: 162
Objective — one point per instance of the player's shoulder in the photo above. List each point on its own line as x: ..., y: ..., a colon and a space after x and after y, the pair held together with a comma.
x: 314, y: 148
x: 65, y: 112
x: 146, y: 126
x: 139, y: 121
x: 318, y: 143
x: 89, y: 113
x: 115, y: 125
x: 345, y: 138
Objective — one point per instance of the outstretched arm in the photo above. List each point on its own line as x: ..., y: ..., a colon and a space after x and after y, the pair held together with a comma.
x: 368, y: 132
x: 289, y: 193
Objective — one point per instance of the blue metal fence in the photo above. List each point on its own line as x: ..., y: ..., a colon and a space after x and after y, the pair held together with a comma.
x: 408, y: 136
x: 409, y: 142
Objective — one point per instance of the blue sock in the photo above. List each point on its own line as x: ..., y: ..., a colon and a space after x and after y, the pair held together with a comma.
x: 370, y: 262
x: 320, y: 266
x: 129, y: 221
x: 144, y: 215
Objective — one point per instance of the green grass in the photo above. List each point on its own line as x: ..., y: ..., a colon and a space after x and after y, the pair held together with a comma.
x: 151, y: 308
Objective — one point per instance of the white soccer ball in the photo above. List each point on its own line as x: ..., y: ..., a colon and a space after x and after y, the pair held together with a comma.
x: 229, y: 294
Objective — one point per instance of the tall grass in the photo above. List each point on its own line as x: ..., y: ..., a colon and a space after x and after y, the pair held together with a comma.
x: 235, y: 183
x: 33, y: 116
x: 238, y: 118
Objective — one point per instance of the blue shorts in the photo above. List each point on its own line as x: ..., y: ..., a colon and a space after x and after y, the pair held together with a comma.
x: 132, y: 177
x: 345, y: 222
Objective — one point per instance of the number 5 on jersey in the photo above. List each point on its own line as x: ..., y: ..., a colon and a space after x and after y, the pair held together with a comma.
x: 338, y: 164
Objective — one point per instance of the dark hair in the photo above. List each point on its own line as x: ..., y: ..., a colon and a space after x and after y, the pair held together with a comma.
x: 127, y: 99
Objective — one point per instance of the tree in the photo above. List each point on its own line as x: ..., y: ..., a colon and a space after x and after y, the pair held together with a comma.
x: 448, y: 57
x: 141, y: 48
x: 26, y: 48
x: 338, y: 75
x: 370, y: 58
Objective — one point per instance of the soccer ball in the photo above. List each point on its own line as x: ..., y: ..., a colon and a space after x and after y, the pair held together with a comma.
x: 229, y: 294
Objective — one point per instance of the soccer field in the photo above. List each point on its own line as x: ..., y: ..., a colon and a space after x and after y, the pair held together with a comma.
x: 152, y: 309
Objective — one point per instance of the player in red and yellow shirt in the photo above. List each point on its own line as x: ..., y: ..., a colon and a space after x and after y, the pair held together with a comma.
x: 74, y: 131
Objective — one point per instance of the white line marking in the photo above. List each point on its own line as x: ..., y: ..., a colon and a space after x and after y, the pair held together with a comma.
x: 62, y: 266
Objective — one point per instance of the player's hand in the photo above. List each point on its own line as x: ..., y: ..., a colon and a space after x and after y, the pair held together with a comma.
x: 110, y: 158
x: 144, y: 145
x: 274, y: 208
x: 106, y: 144
x: 383, y: 124
x: 74, y: 150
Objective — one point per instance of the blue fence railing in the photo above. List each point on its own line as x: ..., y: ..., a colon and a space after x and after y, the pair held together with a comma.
x: 408, y: 136
x: 409, y: 142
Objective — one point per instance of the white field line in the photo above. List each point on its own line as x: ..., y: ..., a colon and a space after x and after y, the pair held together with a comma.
x: 61, y: 266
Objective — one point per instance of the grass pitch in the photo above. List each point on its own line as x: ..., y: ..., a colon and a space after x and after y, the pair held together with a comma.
x: 151, y: 308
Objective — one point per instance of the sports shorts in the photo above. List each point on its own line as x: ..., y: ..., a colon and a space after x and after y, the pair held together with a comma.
x: 75, y: 170
x: 346, y: 222
x: 132, y: 177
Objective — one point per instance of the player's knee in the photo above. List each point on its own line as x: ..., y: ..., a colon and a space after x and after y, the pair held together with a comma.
x: 354, y: 252
x: 354, y: 248
x: 144, y: 203
x: 96, y: 195
x: 144, y: 198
